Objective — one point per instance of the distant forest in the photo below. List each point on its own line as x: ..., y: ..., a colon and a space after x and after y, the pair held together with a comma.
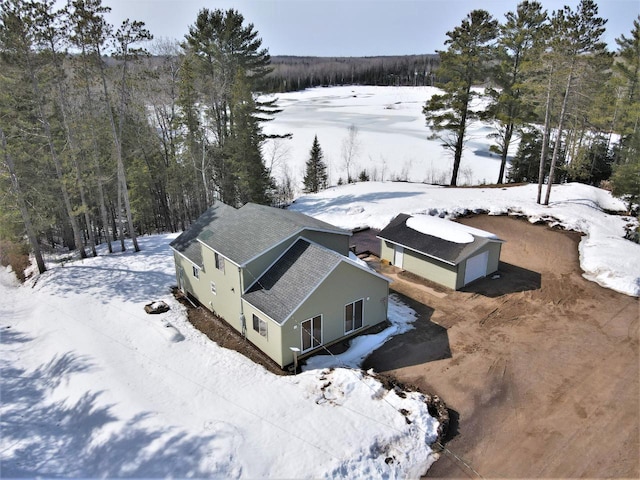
x: 296, y: 73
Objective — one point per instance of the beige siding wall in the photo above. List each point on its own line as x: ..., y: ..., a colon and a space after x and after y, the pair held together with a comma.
x: 386, y: 251
x: 226, y: 301
x: 346, y: 284
x: 430, y: 268
x: 271, y: 344
x: 492, y: 264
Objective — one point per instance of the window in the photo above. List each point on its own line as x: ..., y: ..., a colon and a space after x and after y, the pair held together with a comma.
x: 260, y: 326
x: 219, y: 262
x: 213, y: 287
x: 196, y: 272
x: 353, y: 316
x: 311, y: 333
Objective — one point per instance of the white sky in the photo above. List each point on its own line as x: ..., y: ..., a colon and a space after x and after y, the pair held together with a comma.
x: 349, y: 27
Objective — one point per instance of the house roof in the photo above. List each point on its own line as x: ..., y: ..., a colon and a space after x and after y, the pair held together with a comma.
x: 299, y: 271
x: 291, y: 279
x: 187, y: 242
x: 433, y: 245
x: 244, y: 233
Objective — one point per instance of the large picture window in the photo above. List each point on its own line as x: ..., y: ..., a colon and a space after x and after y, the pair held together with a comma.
x: 353, y: 316
x: 311, y: 333
x: 259, y: 325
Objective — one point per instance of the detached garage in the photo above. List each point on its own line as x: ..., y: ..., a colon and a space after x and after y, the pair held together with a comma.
x: 440, y: 250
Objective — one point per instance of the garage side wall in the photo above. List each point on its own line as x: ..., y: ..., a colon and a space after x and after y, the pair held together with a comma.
x: 386, y: 251
x: 431, y: 269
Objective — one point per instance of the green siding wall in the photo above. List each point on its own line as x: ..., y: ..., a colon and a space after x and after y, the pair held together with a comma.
x: 226, y: 301
x: 344, y: 285
x: 254, y: 269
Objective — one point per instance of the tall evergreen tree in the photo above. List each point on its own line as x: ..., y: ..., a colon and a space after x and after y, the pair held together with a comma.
x: 518, y: 44
x: 224, y: 51
x: 250, y: 181
x: 464, y: 64
x: 315, y: 177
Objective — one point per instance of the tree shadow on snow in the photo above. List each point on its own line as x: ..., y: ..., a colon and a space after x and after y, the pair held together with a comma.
x: 131, y: 284
x: 43, y: 435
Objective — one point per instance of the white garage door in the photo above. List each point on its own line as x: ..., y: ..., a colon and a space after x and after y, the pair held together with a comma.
x: 476, y: 267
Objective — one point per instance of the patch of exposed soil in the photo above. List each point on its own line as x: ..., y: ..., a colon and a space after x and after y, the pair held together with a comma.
x: 540, y: 366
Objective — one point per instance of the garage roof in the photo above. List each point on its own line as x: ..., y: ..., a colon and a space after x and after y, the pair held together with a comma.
x: 433, y: 245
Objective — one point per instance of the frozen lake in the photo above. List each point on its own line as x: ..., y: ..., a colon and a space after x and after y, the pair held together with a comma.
x: 393, y: 139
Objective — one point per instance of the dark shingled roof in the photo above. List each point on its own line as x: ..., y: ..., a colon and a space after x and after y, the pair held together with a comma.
x: 187, y: 243
x: 242, y: 234
x: 432, y: 246
x: 298, y: 272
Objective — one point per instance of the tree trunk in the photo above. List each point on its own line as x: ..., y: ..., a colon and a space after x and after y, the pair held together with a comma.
x: 545, y: 136
x: 22, y: 205
x: 556, y: 147
x: 77, y: 238
x: 505, y: 150
x: 123, y: 192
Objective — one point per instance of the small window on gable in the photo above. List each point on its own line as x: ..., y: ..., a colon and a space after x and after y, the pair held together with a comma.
x: 196, y: 272
x: 213, y: 287
x: 259, y: 325
x: 219, y: 262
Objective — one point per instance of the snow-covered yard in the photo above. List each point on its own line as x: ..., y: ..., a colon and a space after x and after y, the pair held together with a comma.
x: 92, y: 386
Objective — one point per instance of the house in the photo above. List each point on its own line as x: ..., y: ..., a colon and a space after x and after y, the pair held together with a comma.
x: 281, y: 278
x: 440, y: 250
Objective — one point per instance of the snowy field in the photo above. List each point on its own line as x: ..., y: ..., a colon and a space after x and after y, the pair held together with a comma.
x: 605, y: 256
x: 92, y: 386
x: 392, y: 136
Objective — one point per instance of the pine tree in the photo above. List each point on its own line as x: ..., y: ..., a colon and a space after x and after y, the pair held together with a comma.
x: 518, y: 44
x: 224, y: 51
x: 462, y: 65
x: 315, y: 178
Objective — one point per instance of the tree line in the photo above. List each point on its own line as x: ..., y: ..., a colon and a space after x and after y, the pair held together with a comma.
x: 290, y: 73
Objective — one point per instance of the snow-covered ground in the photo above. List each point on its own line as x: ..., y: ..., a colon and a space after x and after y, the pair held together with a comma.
x: 392, y: 136
x: 92, y: 386
x: 605, y: 256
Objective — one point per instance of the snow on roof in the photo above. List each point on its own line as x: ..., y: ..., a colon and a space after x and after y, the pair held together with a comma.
x: 446, y: 229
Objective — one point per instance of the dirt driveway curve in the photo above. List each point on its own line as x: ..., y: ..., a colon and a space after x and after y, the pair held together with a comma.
x: 541, y: 365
